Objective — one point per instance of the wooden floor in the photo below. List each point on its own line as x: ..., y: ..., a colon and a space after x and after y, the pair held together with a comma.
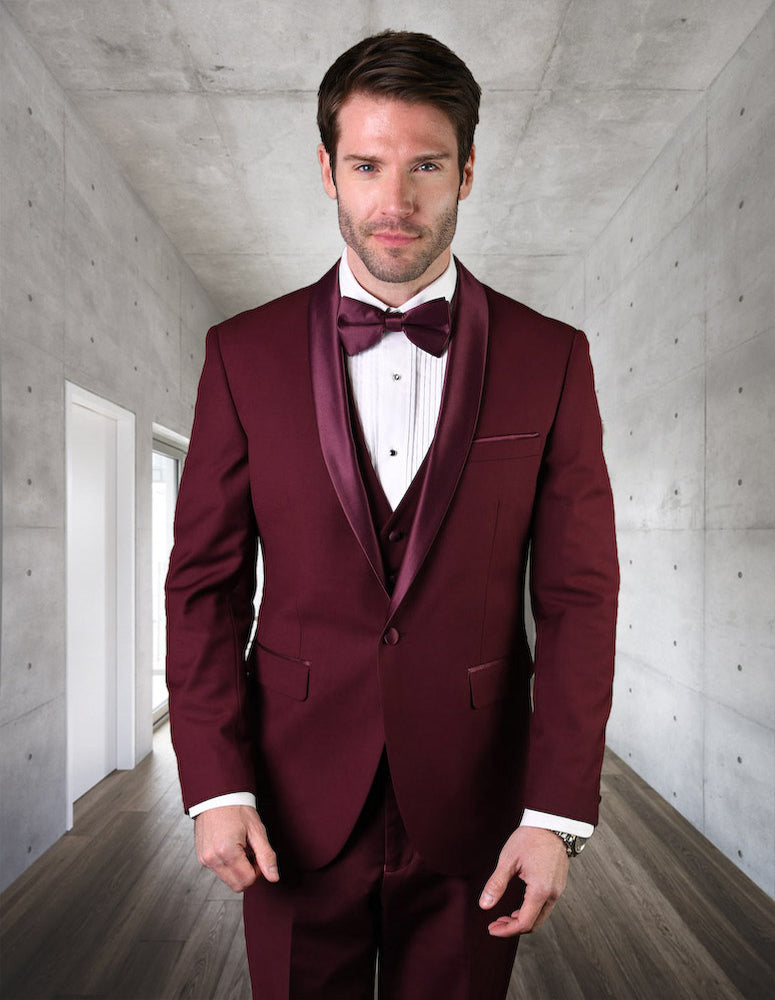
x: 119, y: 909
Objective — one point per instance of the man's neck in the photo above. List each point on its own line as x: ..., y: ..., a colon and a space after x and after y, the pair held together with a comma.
x: 394, y: 294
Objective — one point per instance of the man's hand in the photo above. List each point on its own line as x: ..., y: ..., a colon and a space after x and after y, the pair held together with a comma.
x: 539, y: 858
x: 232, y: 842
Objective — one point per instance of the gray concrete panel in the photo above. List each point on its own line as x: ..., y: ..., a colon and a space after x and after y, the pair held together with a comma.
x: 274, y: 138
x: 88, y: 40
x: 253, y: 279
x: 33, y: 438
x: 740, y: 622
x: 662, y: 601
x: 606, y: 137
x: 741, y: 198
x: 197, y: 313
x: 652, y: 328
x: 238, y: 45
x: 613, y: 44
x: 740, y: 251
x: 568, y: 302
x: 171, y: 152
x: 652, y: 712
x: 113, y: 213
x: 740, y: 792
x: 33, y: 648
x: 156, y: 325
x: 32, y: 774
x: 95, y: 358
x: 527, y: 278
x: 658, y: 471
x: 95, y: 189
x: 740, y: 102
x: 670, y: 189
x: 31, y: 197
x: 740, y: 435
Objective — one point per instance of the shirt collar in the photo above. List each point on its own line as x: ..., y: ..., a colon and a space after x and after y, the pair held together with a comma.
x: 443, y: 287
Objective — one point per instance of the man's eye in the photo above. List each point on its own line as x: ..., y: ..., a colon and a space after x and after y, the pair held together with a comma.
x: 428, y: 167
x: 364, y: 168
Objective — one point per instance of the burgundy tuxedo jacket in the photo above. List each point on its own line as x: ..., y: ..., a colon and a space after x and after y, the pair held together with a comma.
x: 435, y: 668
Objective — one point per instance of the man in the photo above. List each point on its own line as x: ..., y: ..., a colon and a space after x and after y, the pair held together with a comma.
x: 395, y: 468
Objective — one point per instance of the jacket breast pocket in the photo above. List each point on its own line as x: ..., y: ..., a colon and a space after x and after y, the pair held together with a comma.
x: 491, y: 682
x: 286, y: 674
x: 504, y: 446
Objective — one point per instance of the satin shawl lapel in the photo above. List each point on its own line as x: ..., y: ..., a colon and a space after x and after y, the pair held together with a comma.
x: 455, y: 428
x: 329, y: 391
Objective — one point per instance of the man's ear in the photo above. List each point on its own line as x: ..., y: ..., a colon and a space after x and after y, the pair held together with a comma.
x: 326, y: 171
x: 468, y: 176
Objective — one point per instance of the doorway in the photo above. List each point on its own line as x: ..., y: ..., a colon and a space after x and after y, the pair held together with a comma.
x: 100, y: 455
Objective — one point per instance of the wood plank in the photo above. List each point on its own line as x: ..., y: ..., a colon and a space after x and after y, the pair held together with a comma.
x: 234, y: 983
x: 144, y: 969
x: 541, y: 968
x: 198, y: 970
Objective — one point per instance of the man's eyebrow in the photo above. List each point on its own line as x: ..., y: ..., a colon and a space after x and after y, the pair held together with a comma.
x: 354, y: 157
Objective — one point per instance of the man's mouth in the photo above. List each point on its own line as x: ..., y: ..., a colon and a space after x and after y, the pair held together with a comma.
x: 392, y: 238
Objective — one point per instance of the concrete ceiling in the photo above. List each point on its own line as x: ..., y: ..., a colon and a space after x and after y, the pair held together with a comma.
x: 209, y: 109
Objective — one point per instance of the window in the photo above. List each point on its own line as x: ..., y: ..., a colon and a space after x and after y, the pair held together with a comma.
x: 167, y: 467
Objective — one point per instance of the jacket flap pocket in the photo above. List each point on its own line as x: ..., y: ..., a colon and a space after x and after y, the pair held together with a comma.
x: 490, y: 682
x: 282, y: 673
x: 503, y: 446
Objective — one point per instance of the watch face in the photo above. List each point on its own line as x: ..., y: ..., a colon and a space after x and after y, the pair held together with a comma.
x: 573, y: 844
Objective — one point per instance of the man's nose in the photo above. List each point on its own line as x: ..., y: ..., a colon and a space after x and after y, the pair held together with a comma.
x: 398, y: 195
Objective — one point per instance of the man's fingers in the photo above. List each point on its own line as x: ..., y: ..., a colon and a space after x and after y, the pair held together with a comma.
x: 261, y: 853
x: 496, y: 884
x: 536, y: 907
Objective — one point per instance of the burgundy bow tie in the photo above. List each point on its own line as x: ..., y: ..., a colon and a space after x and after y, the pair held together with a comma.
x: 362, y: 325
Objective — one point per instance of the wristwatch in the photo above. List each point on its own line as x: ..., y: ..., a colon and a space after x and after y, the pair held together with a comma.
x: 573, y: 845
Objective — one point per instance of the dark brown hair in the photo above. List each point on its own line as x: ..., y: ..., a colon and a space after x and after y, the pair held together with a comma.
x: 407, y: 66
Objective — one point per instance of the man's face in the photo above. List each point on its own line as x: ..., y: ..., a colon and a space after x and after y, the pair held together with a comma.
x: 397, y: 188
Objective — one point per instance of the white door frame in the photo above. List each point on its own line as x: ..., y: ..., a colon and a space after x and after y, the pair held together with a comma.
x: 75, y: 395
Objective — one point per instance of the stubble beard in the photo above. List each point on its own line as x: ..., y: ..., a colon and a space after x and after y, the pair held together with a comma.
x: 398, y: 265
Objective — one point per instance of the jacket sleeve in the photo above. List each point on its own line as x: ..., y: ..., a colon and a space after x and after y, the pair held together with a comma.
x: 574, y: 586
x: 210, y: 587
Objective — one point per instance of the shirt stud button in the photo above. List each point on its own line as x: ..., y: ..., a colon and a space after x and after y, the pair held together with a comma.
x: 396, y: 377
x: 393, y: 452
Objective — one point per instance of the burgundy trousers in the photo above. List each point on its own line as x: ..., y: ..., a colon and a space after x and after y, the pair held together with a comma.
x: 317, y: 935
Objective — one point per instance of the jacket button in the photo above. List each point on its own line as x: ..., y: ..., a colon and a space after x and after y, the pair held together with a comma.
x: 391, y: 637
x: 395, y: 535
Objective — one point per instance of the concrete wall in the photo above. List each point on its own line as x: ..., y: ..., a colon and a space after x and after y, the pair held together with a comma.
x: 679, y: 305
x: 92, y: 292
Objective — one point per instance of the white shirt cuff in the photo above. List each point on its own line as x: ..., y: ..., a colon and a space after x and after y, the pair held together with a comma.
x: 548, y: 821
x: 232, y: 799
